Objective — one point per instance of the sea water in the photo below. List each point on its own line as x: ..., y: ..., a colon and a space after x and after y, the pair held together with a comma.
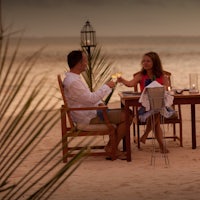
x: 179, y: 55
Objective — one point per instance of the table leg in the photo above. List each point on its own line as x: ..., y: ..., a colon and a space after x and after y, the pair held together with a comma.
x: 193, y: 117
x: 124, y: 139
x: 127, y: 137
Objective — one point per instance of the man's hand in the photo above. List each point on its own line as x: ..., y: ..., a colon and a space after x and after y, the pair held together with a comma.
x: 101, y: 104
x: 111, y: 84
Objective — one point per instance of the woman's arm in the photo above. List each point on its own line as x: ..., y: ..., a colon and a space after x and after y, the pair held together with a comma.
x: 130, y: 83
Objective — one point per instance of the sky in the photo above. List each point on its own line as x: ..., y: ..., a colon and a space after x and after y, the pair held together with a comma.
x: 108, y: 17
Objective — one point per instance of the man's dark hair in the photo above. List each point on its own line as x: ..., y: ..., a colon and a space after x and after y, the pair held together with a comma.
x: 74, y: 57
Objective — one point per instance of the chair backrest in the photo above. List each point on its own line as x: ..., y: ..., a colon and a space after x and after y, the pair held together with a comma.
x: 166, y: 74
x: 156, y: 98
x: 61, y: 86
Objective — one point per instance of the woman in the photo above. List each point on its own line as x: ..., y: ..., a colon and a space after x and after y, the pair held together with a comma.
x: 152, y: 70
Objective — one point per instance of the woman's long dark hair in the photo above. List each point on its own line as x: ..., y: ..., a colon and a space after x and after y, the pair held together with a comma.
x: 157, y: 65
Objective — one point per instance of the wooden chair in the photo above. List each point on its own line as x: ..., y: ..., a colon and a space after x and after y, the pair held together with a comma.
x: 71, y: 131
x: 173, y: 121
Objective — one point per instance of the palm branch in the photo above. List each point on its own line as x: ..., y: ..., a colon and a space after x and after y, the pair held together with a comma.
x: 27, y: 115
x: 98, y: 71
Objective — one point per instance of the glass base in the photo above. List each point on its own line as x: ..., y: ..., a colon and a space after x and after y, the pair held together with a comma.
x: 192, y: 91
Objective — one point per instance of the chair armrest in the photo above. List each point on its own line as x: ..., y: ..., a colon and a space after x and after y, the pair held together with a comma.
x: 88, y: 108
x: 103, y: 108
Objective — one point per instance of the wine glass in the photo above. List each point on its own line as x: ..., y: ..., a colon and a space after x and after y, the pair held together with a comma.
x: 114, y: 77
x: 119, y: 74
x: 114, y: 74
x: 169, y: 82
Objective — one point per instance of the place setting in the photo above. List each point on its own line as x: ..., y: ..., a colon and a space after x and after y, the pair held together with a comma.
x: 192, y: 89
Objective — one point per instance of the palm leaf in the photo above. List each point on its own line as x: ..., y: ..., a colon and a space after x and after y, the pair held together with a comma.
x: 98, y: 71
x: 27, y: 116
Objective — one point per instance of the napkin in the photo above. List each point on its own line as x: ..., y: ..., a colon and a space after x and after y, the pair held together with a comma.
x: 144, y: 100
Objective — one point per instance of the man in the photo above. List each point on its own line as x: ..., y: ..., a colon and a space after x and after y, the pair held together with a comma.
x: 79, y: 95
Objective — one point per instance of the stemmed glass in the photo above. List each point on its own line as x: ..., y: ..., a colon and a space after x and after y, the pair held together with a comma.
x: 169, y: 83
x: 116, y: 74
x: 114, y: 78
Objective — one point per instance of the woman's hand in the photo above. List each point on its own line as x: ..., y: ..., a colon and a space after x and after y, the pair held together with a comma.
x: 120, y: 79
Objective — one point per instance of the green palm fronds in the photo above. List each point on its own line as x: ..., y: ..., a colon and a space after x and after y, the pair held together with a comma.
x: 28, y: 113
x: 98, y: 71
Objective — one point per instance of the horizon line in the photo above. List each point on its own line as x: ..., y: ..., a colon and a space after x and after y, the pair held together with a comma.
x: 109, y: 36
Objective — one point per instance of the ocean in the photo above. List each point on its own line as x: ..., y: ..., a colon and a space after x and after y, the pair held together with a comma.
x: 179, y: 55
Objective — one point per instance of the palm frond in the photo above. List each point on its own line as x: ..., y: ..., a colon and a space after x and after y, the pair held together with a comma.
x: 27, y: 115
x: 98, y: 71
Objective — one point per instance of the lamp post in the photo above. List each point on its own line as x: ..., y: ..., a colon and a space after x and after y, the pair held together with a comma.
x: 88, y: 40
x: 88, y: 37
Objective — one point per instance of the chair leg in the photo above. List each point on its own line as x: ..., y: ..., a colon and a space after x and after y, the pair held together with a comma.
x: 64, y: 137
x: 153, y: 156
x: 165, y: 155
x: 174, y: 131
x: 138, y: 136
x: 134, y: 134
x: 113, y: 144
x: 181, y: 135
x: 65, y: 150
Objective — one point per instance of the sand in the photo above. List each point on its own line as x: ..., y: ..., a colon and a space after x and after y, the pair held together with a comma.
x: 100, y: 179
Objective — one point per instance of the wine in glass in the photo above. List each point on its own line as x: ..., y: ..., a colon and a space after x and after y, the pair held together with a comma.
x: 119, y: 74
x: 114, y: 77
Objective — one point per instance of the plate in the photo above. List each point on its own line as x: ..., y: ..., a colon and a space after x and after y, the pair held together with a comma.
x: 180, y: 91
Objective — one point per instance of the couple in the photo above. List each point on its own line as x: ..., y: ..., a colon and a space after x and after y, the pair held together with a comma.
x: 79, y: 95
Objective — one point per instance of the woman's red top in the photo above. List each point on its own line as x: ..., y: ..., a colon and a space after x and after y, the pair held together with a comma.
x: 146, y: 81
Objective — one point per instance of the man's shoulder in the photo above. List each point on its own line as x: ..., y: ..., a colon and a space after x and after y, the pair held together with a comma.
x: 70, y: 79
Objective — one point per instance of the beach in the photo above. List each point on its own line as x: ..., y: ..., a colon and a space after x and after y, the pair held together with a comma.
x: 100, y: 179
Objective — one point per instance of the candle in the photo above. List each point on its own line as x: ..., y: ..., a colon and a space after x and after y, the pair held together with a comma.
x: 88, y: 42
x: 193, y: 86
x: 169, y: 88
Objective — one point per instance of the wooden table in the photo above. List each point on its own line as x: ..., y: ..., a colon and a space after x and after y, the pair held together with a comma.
x: 131, y: 100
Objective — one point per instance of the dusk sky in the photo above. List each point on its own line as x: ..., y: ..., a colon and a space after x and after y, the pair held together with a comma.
x: 108, y: 17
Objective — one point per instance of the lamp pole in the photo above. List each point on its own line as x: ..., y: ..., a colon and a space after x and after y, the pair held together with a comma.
x: 88, y: 41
